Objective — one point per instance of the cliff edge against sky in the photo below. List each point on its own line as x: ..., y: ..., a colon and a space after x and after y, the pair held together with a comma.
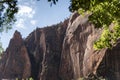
x: 60, y: 52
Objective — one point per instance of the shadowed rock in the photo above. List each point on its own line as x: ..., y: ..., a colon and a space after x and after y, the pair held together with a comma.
x: 15, y: 63
x: 44, y: 47
x: 61, y: 52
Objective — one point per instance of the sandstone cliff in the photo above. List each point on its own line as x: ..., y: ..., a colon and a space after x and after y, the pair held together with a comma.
x: 15, y: 62
x: 60, y: 52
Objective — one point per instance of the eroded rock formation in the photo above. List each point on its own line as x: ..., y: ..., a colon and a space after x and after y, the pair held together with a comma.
x: 60, y: 52
x: 15, y: 62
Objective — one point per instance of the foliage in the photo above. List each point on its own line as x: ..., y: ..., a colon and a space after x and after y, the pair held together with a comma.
x: 8, y: 9
x: 104, y: 12
x: 53, y: 1
x: 104, y: 40
x: 108, y: 38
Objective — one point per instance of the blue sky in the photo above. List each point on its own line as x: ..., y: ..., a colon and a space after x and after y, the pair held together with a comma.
x: 33, y: 14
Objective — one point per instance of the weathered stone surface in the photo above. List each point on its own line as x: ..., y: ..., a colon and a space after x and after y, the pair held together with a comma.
x: 44, y: 47
x: 79, y: 59
x: 74, y: 48
x: 15, y: 63
x: 61, y: 52
x: 110, y: 65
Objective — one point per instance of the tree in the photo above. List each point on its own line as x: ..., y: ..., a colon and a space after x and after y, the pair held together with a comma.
x: 8, y: 9
x: 53, y: 1
x: 104, y: 13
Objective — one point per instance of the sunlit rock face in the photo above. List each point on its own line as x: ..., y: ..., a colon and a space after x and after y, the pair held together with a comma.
x: 60, y: 52
x: 78, y: 57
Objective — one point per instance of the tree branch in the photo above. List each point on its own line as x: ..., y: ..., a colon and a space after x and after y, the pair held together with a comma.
x: 5, y: 1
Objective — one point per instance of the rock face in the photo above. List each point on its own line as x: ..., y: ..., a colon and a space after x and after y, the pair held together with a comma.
x: 60, y: 52
x: 15, y: 63
x: 45, y: 46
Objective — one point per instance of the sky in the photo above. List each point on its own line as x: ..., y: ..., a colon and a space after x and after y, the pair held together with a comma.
x: 36, y: 14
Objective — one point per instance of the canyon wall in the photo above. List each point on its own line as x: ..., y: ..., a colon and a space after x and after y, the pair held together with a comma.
x: 60, y: 52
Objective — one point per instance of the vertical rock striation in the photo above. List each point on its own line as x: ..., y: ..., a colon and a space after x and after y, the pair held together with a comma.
x: 78, y: 57
x: 45, y: 46
x: 60, y: 52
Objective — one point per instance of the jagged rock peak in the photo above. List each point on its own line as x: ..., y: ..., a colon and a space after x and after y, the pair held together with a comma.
x: 16, y: 40
x: 17, y: 35
x: 15, y: 63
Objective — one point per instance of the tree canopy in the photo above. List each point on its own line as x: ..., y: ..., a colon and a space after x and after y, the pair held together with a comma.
x: 8, y: 9
x: 104, y: 13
